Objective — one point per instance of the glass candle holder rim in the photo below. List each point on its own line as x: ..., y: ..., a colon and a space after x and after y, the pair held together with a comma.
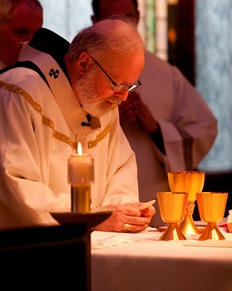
x: 82, y: 155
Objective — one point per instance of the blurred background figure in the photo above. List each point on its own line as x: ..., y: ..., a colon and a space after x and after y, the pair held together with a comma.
x: 167, y: 122
x: 19, y: 20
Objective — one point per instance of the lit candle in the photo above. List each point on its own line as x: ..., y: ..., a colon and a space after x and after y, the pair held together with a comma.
x: 80, y: 176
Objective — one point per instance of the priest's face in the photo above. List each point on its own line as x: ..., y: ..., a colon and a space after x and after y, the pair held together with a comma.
x: 91, y: 101
x: 106, y: 82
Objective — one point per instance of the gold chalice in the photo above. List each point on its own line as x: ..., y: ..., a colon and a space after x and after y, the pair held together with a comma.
x: 190, y: 182
x: 172, y: 207
x: 211, y: 207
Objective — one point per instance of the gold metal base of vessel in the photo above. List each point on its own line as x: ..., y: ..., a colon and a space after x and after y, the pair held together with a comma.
x: 211, y: 232
x: 187, y: 226
x: 172, y: 233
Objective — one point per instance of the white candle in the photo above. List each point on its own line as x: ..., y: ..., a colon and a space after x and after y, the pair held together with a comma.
x: 80, y: 168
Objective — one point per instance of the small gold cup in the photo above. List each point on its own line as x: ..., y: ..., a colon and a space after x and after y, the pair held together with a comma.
x: 212, y: 207
x: 172, y: 207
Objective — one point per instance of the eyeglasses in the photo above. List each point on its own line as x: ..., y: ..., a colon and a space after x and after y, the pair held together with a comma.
x: 119, y: 87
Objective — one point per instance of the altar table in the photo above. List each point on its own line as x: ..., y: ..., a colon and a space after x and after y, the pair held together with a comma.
x: 134, y: 262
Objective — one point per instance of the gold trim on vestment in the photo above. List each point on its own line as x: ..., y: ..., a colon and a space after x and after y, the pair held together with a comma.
x: 100, y: 136
x: 48, y: 122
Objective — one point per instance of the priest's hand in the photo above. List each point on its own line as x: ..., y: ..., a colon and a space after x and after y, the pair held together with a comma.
x: 126, y: 218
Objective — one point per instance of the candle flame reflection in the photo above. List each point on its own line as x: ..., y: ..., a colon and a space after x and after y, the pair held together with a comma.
x: 79, y: 149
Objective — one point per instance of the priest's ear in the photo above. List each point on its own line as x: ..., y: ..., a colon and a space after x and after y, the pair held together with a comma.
x: 83, y: 62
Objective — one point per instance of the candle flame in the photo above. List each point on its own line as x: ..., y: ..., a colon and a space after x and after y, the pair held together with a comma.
x: 79, y: 149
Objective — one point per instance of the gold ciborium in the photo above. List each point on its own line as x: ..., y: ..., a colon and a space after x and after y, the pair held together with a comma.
x: 211, y: 207
x: 172, y: 207
x: 190, y: 182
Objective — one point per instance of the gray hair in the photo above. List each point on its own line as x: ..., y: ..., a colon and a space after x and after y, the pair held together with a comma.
x: 7, y: 7
x: 116, y: 35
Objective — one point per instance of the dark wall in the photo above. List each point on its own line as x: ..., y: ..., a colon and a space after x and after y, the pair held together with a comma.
x: 218, y: 182
x: 181, y: 45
